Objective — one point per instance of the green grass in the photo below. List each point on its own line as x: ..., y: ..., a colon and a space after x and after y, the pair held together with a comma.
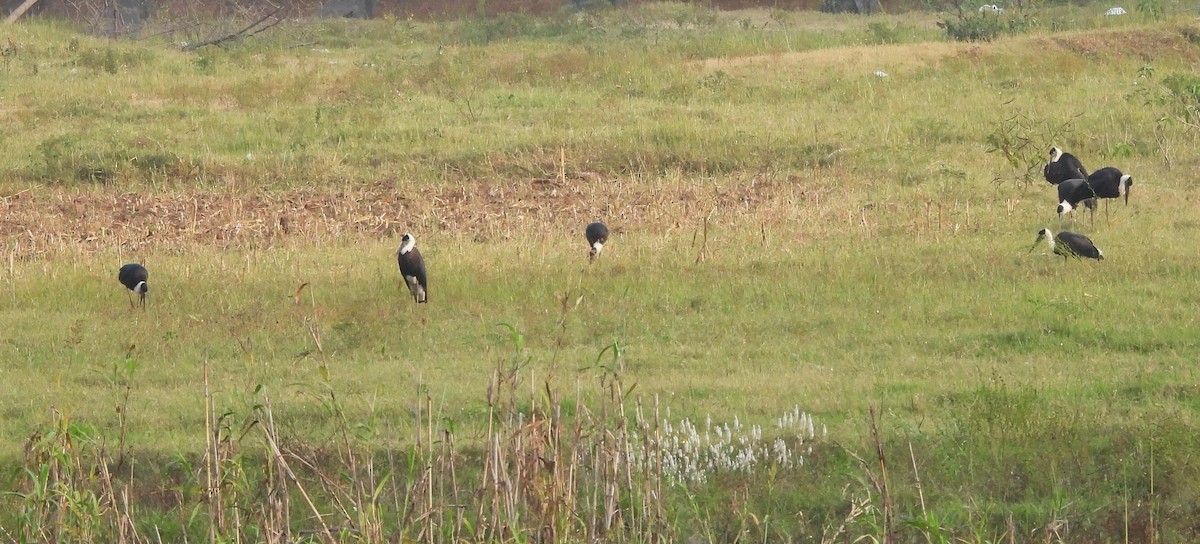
x: 867, y: 246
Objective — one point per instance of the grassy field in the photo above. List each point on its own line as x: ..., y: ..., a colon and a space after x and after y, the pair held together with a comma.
x: 792, y: 231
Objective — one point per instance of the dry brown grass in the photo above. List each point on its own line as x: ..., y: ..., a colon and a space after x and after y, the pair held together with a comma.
x: 51, y: 220
x: 1147, y: 44
x: 823, y: 203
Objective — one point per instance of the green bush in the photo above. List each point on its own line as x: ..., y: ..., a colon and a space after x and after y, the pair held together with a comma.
x: 1151, y: 9
x: 1183, y: 97
x: 880, y: 33
x: 986, y: 26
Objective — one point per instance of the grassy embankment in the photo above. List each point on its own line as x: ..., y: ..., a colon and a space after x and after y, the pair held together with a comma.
x: 791, y: 230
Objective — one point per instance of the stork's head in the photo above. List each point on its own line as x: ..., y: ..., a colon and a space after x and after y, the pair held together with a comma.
x: 1055, y: 154
x: 1044, y: 233
x: 141, y: 288
x: 407, y: 243
x: 1124, y: 185
x: 1064, y: 208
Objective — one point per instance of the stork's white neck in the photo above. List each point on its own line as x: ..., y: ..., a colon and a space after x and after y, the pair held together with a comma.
x: 1055, y: 154
x: 140, y: 287
x: 408, y: 246
x: 1123, y: 185
x: 596, y: 247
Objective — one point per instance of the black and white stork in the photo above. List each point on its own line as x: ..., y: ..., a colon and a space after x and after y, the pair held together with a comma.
x: 134, y: 277
x: 1073, y: 191
x: 412, y: 267
x: 1069, y: 244
x: 1062, y: 167
x: 597, y: 235
x: 1108, y: 182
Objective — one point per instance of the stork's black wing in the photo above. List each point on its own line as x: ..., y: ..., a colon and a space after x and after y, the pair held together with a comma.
x: 1079, y: 244
x: 1065, y: 168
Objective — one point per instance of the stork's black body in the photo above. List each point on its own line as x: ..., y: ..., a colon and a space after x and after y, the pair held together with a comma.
x: 412, y: 267
x: 1073, y: 191
x: 1062, y: 167
x: 134, y: 277
x: 1108, y: 182
x: 1069, y: 244
x: 597, y: 235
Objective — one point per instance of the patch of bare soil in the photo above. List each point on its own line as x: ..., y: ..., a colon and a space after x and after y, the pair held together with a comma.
x: 1147, y: 45
x: 54, y: 220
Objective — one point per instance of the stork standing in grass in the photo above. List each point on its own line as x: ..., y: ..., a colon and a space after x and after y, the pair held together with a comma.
x: 412, y: 267
x: 1109, y: 182
x: 1069, y: 244
x: 597, y: 235
x: 134, y: 277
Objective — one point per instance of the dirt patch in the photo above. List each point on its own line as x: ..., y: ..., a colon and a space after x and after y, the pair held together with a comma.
x: 1142, y: 44
x: 50, y: 221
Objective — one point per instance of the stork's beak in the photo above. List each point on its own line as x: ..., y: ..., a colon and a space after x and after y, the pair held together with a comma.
x: 1127, y: 195
x: 1035, y: 242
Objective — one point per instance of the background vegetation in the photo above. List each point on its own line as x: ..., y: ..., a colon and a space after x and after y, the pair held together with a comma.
x: 820, y: 265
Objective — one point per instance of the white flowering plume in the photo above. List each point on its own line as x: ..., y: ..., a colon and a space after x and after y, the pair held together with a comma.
x: 690, y: 455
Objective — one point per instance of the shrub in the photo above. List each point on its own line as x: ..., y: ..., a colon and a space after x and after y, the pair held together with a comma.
x: 985, y: 26
x: 1183, y: 98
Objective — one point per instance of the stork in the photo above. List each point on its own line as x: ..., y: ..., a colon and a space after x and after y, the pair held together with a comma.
x: 1069, y: 244
x: 1108, y: 182
x: 134, y: 277
x: 597, y: 235
x: 412, y: 267
x: 1062, y: 167
x: 1073, y: 191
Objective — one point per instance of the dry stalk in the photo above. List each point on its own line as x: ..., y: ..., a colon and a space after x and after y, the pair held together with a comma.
x: 917, y: 477
x: 429, y: 506
x: 270, y: 433
x: 702, y: 255
x: 212, y: 468
x: 277, y: 519
x: 889, y: 534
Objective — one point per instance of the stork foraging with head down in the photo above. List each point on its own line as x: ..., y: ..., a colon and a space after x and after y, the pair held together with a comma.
x: 597, y: 235
x: 1062, y: 167
x: 1069, y: 244
x: 134, y: 277
x: 412, y: 267
x: 1073, y: 191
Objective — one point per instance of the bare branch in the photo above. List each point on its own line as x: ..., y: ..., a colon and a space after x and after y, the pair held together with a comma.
x: 250, y: 30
